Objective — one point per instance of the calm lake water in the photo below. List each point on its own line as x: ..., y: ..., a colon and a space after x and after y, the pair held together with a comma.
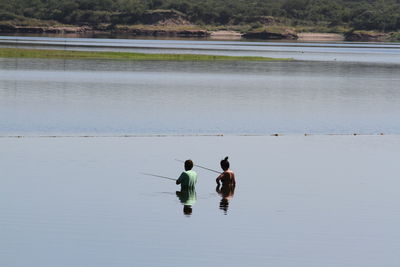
x: 337, y: 51
x: 106, y: 97
x: 299, y: 201
x: 306, y: 201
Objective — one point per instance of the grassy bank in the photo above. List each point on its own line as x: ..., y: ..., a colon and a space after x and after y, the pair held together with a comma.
x: 66, y: 54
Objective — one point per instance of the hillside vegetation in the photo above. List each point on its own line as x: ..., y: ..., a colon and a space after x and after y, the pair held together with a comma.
x: 332, y: 15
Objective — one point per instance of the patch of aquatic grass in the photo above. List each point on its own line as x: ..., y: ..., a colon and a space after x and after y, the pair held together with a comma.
x: 67, y: 54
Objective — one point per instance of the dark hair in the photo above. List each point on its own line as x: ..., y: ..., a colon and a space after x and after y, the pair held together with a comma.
x: 188, y: 165
x: 225, y: 164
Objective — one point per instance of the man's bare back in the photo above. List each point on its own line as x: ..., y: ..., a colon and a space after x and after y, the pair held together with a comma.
x: 226, y: 178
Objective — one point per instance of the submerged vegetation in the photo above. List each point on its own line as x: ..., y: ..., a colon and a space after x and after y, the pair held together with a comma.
x: 328, y: 15
x: 68, y: 54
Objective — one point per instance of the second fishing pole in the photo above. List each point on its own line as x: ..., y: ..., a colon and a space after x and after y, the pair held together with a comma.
x: 202, y: 167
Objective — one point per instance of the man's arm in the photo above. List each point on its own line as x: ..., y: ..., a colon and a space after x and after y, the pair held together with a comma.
x: 219, y: 178
x: 180, y: 179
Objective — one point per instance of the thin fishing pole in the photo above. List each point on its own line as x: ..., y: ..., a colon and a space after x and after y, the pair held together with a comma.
x: 200, y: 166
x: 159, y: 176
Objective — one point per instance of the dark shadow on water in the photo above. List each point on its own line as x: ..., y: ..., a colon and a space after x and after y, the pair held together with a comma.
x: 188, y: 198
x: 226, y: 192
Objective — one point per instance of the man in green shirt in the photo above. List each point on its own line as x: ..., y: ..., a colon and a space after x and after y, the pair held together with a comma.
x: 188, y: 178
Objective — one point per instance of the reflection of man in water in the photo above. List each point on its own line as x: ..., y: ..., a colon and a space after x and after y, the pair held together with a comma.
x: 226, y: 192
x: 187, y: 180
x: 188, y: 199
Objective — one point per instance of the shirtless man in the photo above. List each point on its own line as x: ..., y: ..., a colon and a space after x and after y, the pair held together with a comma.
x: 227, y: 178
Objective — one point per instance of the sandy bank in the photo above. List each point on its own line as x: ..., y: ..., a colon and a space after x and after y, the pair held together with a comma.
x: 307, y: 36
x: 225, y: 35
x: 310, y: 36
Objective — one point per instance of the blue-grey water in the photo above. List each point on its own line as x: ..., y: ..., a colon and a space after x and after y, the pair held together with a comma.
x: 333, y: 51
x: 108, y: 97
x: 301, y: 201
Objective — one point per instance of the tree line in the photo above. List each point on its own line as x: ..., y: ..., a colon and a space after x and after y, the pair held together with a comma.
x: 382, y: 15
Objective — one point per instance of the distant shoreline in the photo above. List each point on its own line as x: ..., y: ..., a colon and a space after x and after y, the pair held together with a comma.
x: 193, y: 31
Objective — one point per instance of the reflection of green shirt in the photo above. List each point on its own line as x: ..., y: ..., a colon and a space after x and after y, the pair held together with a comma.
x: 188, y: 179
x: 187, y: 196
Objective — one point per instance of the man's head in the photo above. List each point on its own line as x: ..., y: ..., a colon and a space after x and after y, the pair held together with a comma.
x: 188, y: 165
x: 225, y: 164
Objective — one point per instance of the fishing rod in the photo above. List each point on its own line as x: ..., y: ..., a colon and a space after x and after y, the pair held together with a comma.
x: 159, y: 176
x: 200, y: 166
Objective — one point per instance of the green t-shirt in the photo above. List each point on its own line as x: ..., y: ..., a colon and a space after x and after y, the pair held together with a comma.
x: 188, y: 179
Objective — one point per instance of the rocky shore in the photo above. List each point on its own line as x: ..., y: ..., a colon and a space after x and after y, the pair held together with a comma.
x: 195, y: 31
x: 6, y: 28
x: 146, y: 30
x: 121, y: 30
x: 266, y: 34
x: 150, y: 30
x: 366, y: 36
x: 160, y: 31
